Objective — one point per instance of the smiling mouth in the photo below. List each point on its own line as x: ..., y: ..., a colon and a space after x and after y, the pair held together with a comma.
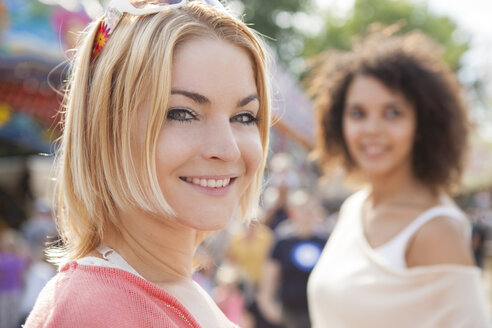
x: 374, y: 150
x: 209, y: 183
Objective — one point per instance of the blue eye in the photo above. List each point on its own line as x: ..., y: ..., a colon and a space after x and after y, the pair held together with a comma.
x: 180, y: 114
x: 245, y: 118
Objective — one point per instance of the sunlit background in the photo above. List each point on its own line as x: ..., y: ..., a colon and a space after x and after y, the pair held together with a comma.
x: 36, y: 38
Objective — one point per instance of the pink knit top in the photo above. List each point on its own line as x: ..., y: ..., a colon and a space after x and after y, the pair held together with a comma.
x: 95, y: 296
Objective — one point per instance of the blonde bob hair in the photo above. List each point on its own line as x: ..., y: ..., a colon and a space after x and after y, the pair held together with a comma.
x: 99, y: 171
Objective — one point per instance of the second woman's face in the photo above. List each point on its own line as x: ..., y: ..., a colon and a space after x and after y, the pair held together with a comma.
x: 209, y: 148
x: 378, y: 127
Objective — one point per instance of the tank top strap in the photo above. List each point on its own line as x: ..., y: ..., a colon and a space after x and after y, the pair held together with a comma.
x: 432, y: 213
x: 116, y: 259
x: 393, y: 251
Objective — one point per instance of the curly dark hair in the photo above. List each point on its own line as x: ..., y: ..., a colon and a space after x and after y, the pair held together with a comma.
x: 408, y: 64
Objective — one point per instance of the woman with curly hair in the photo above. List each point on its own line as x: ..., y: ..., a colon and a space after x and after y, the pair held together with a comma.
x: 391, y: 115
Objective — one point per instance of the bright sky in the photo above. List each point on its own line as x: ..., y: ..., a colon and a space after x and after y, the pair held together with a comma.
x: 472, y: 16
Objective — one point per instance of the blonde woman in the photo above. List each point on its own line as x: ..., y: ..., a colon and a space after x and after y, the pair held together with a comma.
x: 165, y: 139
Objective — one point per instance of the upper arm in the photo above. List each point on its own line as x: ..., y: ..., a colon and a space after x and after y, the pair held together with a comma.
x: 270, y: 278
x: 440, y: 241
x: 267, y: 302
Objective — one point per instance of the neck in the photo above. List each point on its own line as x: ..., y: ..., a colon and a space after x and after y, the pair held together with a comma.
x: 158, y: 248
x: 398, y: 186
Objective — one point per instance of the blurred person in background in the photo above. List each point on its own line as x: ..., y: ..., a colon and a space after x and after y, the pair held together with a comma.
x: 479, y: 235
x: 248, y: 250
x: 276, y: 213
x: 12, y: 266
x: 38, y: 232
x: 40, y: 228
x: 282, y: 296
x: 38, y: 273
x: 228, y: 293
x: 390, y: 113
x: 165, y: 137
x: 282, y: 179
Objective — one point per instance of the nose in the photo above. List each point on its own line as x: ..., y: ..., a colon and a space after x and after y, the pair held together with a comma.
x: 221, y: 141
x: 372, y: 125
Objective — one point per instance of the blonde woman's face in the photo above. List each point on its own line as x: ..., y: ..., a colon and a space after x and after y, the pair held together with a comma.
x: 209, y: 148
x: 379, y: 127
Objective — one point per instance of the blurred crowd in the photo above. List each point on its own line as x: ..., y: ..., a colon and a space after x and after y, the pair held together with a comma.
x: 256, y: 273
x: 23, y: 267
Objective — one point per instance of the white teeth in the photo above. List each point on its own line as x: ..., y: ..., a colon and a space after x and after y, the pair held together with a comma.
x: 209, y: 183
x: 374, y: 149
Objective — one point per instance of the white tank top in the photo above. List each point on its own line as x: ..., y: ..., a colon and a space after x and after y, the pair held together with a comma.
x: 352, y: 286
x: 393, y: 252
x: 110, y: 258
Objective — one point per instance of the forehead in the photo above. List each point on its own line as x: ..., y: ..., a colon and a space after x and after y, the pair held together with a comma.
x: 211, y: 64
x: 369, y: 87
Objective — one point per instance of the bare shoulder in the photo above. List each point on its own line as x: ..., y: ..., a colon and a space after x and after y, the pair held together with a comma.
x: 440, y: 241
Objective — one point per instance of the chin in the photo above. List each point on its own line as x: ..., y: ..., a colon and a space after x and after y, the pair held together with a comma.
x: 381, y: 174
x: 216, y: 222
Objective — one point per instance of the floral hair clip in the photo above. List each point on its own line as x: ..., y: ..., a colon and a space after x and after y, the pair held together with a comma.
x: 117, y: 8
x: 106, y: 27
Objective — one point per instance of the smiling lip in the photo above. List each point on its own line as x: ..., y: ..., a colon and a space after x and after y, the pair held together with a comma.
x: 217, y: 185
x: 374, y: 151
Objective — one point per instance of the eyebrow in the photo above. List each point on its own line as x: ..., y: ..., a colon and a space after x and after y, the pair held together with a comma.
x: 247, y: 100
x: 201, y: 99
x: 360, y: 104
x: 196, y: 97
x: 398, y: 103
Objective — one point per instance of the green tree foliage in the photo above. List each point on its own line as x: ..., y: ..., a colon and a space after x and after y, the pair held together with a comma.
x: 279, y: 21
x: 339, y: 32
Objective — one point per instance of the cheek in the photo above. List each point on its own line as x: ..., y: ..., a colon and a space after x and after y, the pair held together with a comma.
x: 172, y: 149
x: 349, y: 133
x: 405, y: 135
